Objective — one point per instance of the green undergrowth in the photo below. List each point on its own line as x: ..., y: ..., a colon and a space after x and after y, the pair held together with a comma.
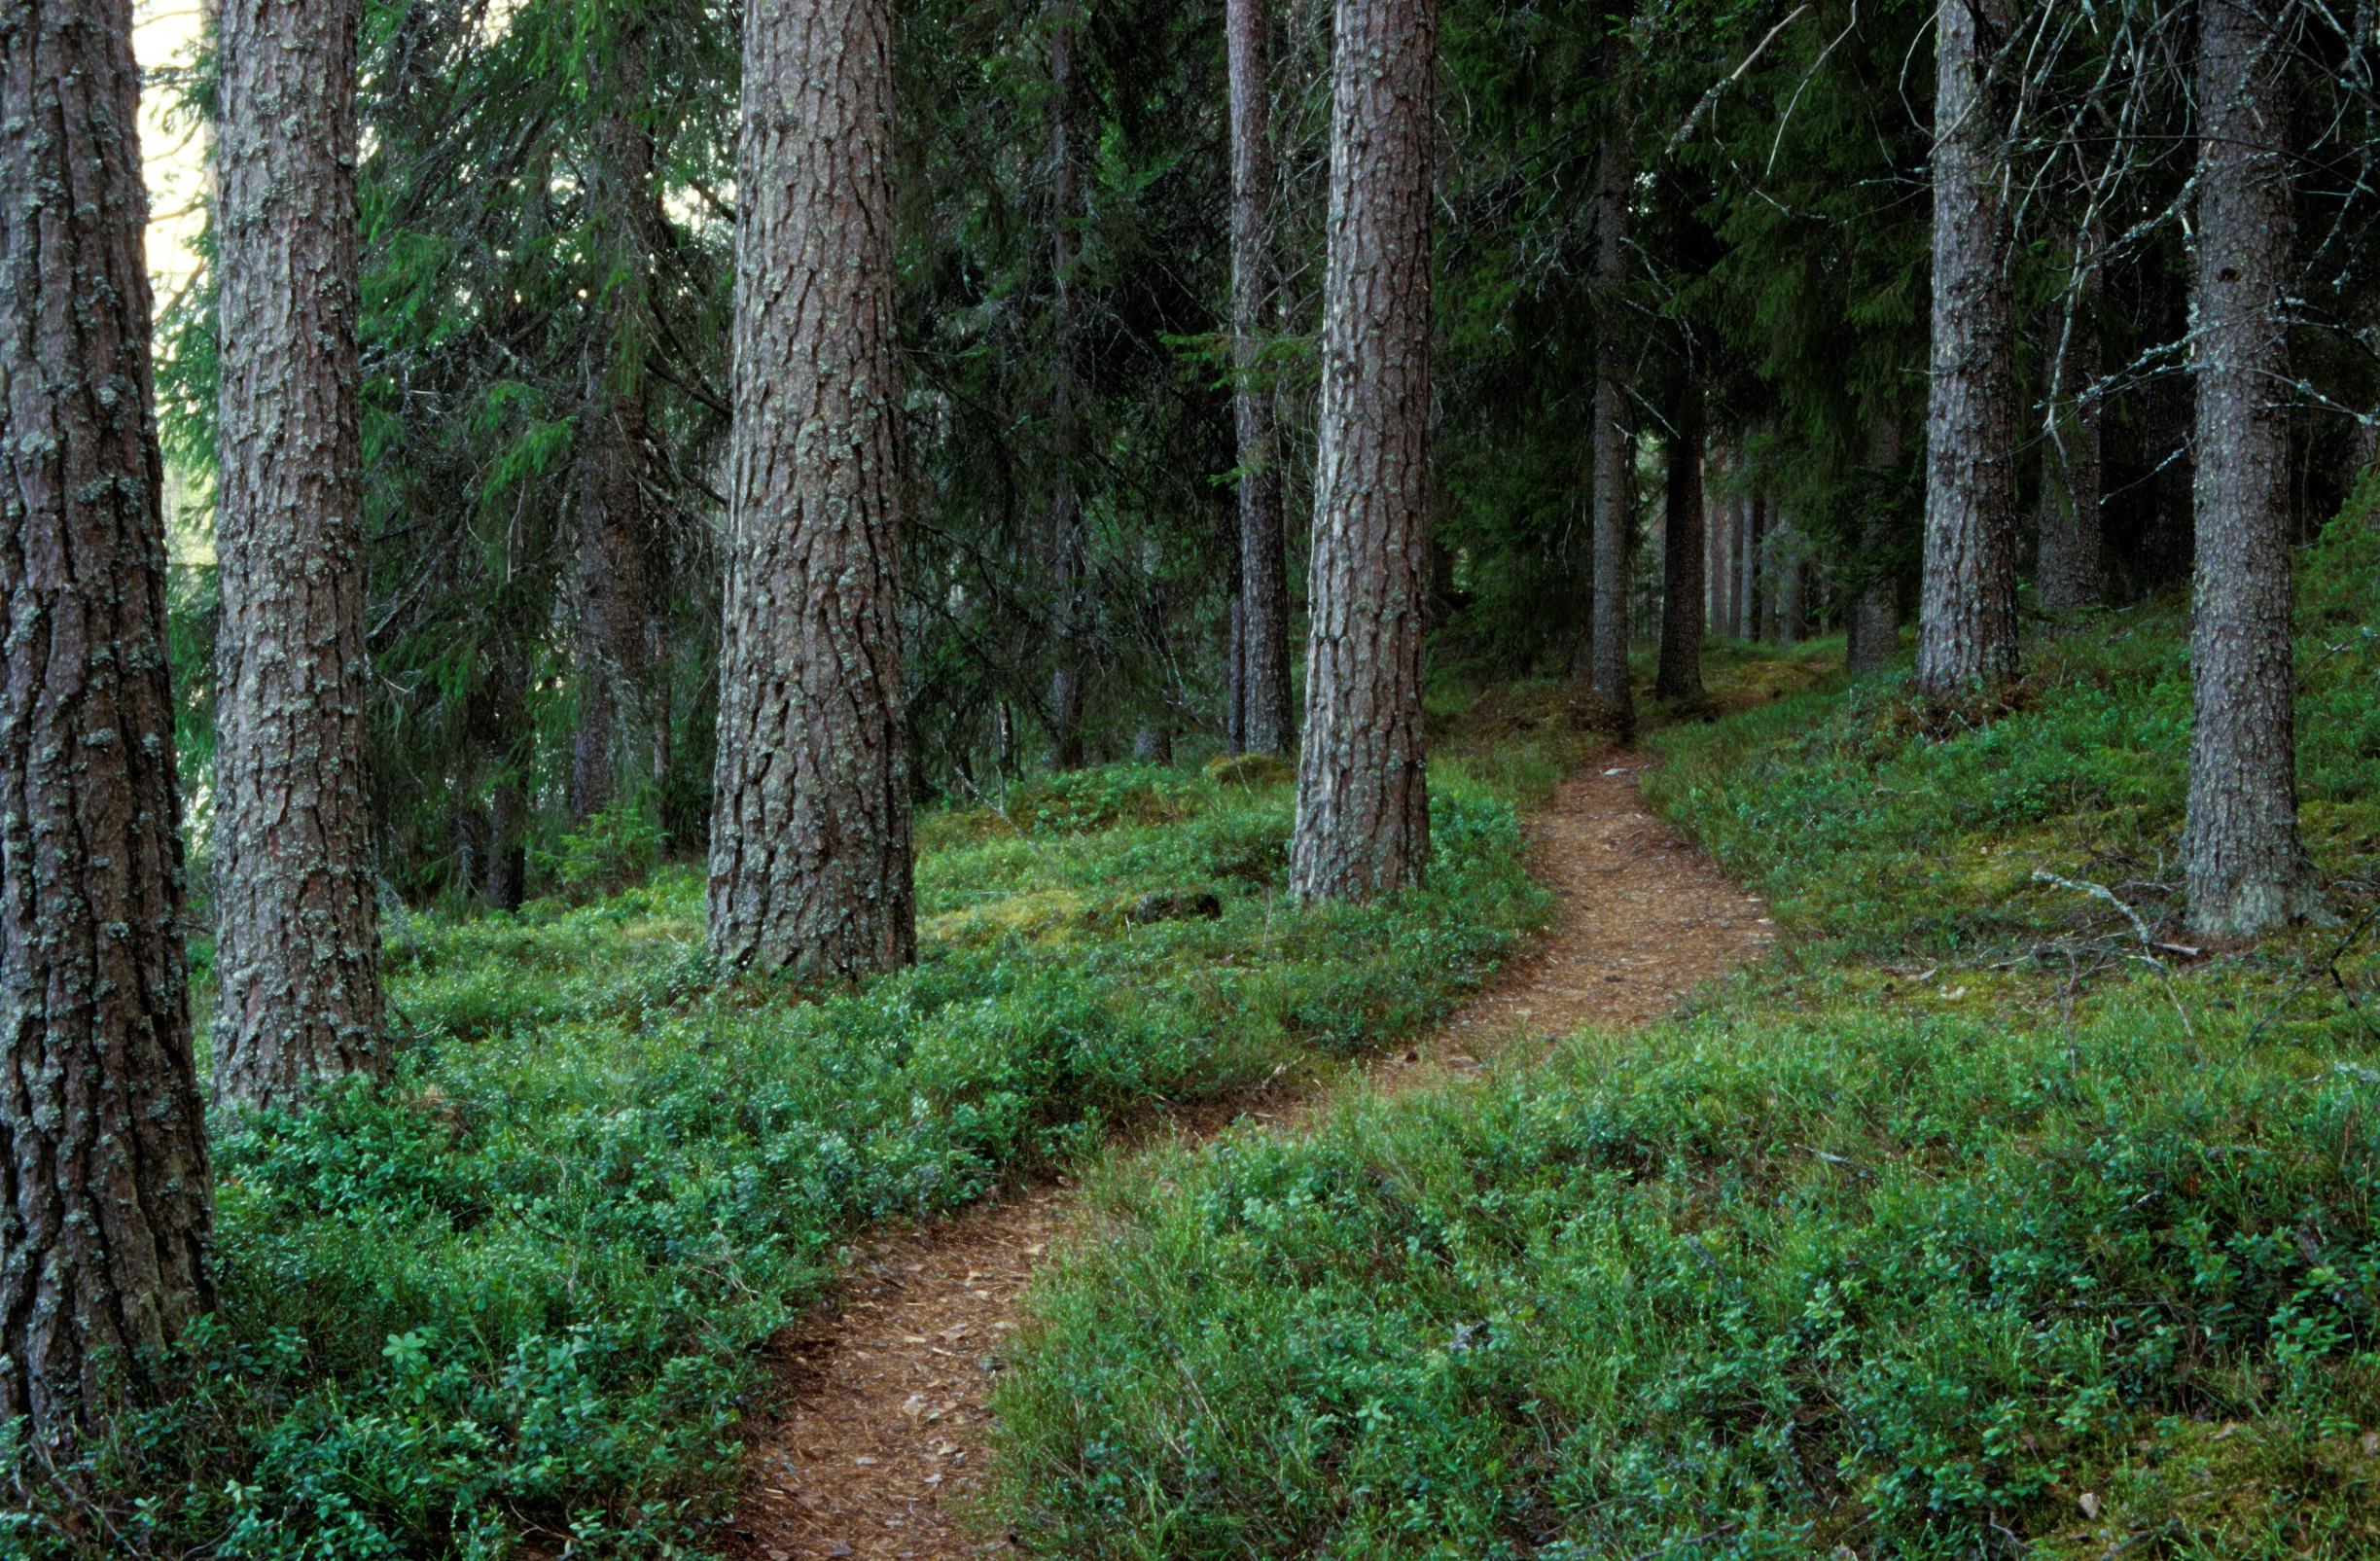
x: 1956, y: 1229
x: 512, y: 1302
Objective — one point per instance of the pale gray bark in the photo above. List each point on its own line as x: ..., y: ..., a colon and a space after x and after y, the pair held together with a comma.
x: 811, y: 836
x: 1267, y: 724
x: 2247, y: 868
x: 105, y: 1207
x: 1967, y: 620
x: 1363, y: 802
x: 297, y: 911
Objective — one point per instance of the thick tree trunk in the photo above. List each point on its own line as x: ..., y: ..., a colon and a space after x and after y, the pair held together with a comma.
x: 615, y: 741
x: 1615, y: 445
x: 297, y: 917
x: 1872, y: 617
x: 1068, y: 562
x: 1263, y: 565
x: 810, y: 859
x: 2247, y: 869
x: 2068, y: 576
x: 104, y: 1226
x: 1363, y: 801
x: 1682, y: 552
x: 1966, y: 624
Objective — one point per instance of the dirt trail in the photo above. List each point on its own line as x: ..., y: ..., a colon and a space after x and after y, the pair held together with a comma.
x: 886, y: 1382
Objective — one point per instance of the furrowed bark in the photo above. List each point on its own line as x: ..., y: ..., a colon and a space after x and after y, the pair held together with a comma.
x: 105, y: 1205
x: 1363, y: 805
x: 1966, y: 624
x: 2247, y: 869
x: 1263, y: 566
x: 296, y: 913
x: 810, y: 843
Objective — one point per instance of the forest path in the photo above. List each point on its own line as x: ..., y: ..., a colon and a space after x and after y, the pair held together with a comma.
x: 886, y: 1383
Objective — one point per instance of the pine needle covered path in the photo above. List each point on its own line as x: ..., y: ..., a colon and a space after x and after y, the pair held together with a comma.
x: 884, y: 1425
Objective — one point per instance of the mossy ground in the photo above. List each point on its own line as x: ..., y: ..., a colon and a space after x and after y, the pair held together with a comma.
x: 513, y: 1302
x: 1968, y: 1226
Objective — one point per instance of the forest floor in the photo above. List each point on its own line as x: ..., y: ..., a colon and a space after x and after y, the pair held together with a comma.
x: 882, y: 1432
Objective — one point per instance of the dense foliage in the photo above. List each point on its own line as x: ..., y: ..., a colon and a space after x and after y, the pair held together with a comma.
x: 519, y: 1292
x: 1780, y: 267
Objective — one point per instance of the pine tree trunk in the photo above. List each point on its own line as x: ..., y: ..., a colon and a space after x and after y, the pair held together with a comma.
x: 1872, y: 619
x: 1682, y: 552
x: 1772, y: 562
x: 615, y: 738
x: 1966, y: 622
x: 810, y: 858
x: 2066, y: 578
x: 1362, y: 804
x: 1614, y: 445
x: 1725, y: 567
x: 1714, y: 542
x: 104, y: 1226
x: 1791, y: 581
x: 2247, y: 869
x: 297, y: 917
x: 1264, y: 565
x: 496, y: 722
x: 1067, y: 560
x: 1751, y: 538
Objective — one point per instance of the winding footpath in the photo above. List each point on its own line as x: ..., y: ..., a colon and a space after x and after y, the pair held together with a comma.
x: 883, y: 1426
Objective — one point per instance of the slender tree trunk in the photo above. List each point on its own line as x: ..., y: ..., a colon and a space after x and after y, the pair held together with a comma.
x: 1263, y: 565
x: 1068, y: 562
x: 1714, y: 548
x: 1764, y: 605
x: 1790, y: 572
x: 2066, y: 578
x: 1750, y: 540
x: 615, y: 736
x: 1615, y: 445
x: 496, y: 720
x: 1872, y: 619
x: 1682, y: 552
x: 1235, y: 642
x: 1732, y: 553
x: 1362, y: 804
x: 1967, y: 625
x: 297, y: 917
x: 105, y: 1219
x: 810, y: 857
x: 2247, y: 869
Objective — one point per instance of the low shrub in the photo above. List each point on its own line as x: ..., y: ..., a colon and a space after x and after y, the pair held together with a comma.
x: 512, y: 1302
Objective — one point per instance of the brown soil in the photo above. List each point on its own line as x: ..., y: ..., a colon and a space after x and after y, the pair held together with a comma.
x: 885, y: 1384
